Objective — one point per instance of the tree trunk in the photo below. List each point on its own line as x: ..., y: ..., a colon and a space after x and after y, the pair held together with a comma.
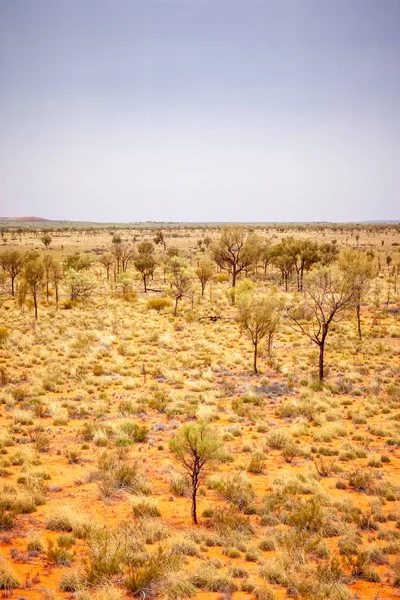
x: 145, y: 284
x: 56, y: 291
x: 35, y: 303
x: 203, y: 287
x: 286, y: 282
x: 176, y: 307
x: 358, y: 310
x: 12, y: 286
x: 321, y: 360
x: 255, y: 357
x: 269, y: 344
x: 195, y: 483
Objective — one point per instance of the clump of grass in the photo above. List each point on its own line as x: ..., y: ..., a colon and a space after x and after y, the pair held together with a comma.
x: 147, y: 575
x: 208, y: 578
x: 158, y: 304
x: 8, y: 578
x: 236, y: 488
x: 144, y: 507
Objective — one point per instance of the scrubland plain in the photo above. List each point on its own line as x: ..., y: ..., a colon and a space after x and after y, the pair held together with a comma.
x: 119, y: 408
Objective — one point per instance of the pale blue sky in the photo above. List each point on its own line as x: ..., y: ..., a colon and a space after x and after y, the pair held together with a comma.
x: 200, y: 110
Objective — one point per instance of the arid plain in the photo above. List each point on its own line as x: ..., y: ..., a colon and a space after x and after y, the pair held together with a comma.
x: 299, y: 493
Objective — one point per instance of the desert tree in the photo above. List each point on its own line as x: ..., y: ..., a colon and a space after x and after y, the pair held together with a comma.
x: 125, y: 281
x: 233, y: 251
x: 12, y: 262
x: 328, y: 254
x: 46, y: 240
x: 22, y: 293
x: 388, y: 261
x: 48, y: 268
x: 107, y: 261
x: 357, y: 269
x: 117, y: 250
x: 116, y: 239
x: 304, y: 254
x: 81, y: 284
x: 180, y: 279
x: 145, y: 248
x: 195, y: 446
x: 127, y: 254
x: 259, y: 317
x: 33, y: 276
x: 160, y: 239
x: 57, y: 275
x: 76, y: 262
x: 283, y: 261
x: 327, y: 296
x: 266, y: 255
x: 205, y: 271
x: 145, y: 262
x: 395, y: 275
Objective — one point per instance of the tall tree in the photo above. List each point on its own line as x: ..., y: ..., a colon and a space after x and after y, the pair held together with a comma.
x: 33, y: 275
x: 283, y: 261
x: 127, y: 254
x: 107, y: 260
x: 12, y: 262
x: 327, y: 295
x: 259, y: 318
x: 357, y: 269
x: 180, y: 278
x: 145, y: 264
x: 205, y: 271
x: 57, y: 275
x: 195, y: 446
x: 48, y: 267
x: 160, y: 239
x: 234, y: 252
x: 304, y: 255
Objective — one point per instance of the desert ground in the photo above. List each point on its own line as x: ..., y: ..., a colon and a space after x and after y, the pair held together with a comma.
x: 299, y: 493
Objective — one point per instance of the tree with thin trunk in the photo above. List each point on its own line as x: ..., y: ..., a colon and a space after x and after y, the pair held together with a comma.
x: 57, y: 275
x: 127, y: 254
x: 48, y: 266
x: 160, y: 239
x: 259, y: 317
x: 234, y: 252
x: 205, y: 271
x: 357, y: 269
x: 33, y: 275
x: 145, y: 264
x: 195, y: 446
x: 283, y: 261
x: 12, y: 262
x: 82, y: 285
x: 116, y: 251
x: 107, y: 260
x: 327, y: 296
x: 180, y: 278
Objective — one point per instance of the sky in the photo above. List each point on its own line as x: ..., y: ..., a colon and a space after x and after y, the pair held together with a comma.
x: 200, y: 110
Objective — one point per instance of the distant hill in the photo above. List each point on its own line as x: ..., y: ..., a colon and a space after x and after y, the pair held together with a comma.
x: 23, y: 219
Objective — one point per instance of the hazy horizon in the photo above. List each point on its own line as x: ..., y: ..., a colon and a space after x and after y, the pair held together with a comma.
x: 211, y: 111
